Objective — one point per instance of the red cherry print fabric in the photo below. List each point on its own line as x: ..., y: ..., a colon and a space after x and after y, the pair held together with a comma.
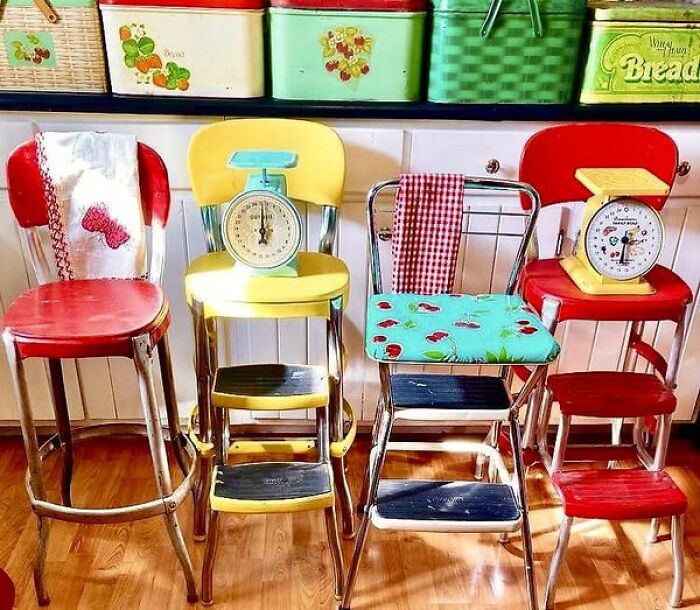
x: 462, y: 329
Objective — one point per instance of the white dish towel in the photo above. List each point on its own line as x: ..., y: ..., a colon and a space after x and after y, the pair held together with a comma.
x: 91, y: 185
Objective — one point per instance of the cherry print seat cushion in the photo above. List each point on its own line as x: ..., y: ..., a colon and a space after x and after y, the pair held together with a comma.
x: 456, y: 328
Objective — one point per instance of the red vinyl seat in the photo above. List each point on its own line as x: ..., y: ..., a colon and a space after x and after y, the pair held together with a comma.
x: 619, y: 494
x: 86, y: 318
x: 546, y: 279
x: 602, y: 393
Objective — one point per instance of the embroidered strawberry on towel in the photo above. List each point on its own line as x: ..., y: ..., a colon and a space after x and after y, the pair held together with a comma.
x: 97, y: 220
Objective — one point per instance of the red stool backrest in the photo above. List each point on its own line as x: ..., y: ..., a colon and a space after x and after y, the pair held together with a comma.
x: 26, y: 190
x: 551, y: 157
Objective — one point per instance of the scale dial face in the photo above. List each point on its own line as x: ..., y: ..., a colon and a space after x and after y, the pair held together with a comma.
x: 624, y: 239
x: 262, y: 229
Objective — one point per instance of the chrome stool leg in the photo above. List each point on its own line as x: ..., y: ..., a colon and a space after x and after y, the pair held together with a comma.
x: 677, y: 528
x: 557, y: 561
x: 528, y: 558
x: 374, y: 465
x: 60, y: 404
x: 362, y: 500
x: 205, y: 364
x: 336, y: 551
x: 35, y: 479
x: 168, y: 380
x: 491, y: 439
x: 143, y: 363
x: 335, y: 372
x: 210, y: 559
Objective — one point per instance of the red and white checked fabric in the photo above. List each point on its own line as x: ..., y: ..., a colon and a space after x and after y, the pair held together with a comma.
x: 426, y: 233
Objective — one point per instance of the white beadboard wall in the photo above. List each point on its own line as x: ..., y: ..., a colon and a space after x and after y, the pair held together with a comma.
x: 105, y: 389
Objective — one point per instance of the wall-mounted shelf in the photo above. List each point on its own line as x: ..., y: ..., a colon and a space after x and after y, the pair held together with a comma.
x: 149, y: 105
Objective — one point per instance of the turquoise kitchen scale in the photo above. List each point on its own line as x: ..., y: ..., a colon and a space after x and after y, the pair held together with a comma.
x: 262, y: 228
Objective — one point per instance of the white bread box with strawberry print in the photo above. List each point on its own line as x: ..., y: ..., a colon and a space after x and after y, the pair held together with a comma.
x: 198, y: 48
x: 347, y: 49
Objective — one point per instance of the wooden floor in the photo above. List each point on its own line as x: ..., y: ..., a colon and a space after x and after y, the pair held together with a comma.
x: 280, y: 562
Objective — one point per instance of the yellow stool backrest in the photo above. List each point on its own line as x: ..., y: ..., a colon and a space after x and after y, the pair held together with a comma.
x: 318, y: 177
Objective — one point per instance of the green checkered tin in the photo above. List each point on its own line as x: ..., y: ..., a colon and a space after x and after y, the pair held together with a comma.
x: 523, y: 51
x: 643, y: 52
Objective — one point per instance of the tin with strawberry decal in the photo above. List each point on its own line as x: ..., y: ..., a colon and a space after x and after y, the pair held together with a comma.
x: 156, y: 47
x: 38, y: 48
x: 358, y: 50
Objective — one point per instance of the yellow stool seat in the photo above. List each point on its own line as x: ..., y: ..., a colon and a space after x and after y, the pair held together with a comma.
x: 321, y: 279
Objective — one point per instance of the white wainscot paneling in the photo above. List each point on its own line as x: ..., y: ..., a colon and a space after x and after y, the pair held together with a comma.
x: 106, y: 389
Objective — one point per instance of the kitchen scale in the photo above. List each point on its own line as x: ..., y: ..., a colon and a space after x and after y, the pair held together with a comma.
x: 621, y: 237
x: 262, y: 228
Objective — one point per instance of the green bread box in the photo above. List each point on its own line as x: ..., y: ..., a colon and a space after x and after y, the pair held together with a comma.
x: 357, y: 50
x: 517, y: 51
x: 643, y: 52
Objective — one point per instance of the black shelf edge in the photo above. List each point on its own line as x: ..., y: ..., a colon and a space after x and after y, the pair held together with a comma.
x: 268, y: 107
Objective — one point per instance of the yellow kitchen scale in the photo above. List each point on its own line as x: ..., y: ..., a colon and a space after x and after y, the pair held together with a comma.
x: 621, y: 237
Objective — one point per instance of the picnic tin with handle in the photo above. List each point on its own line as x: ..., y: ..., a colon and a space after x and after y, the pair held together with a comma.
x: 51, y: 47
x: 205, y: 48
x: 505, y: 51
x: 352, y: 50
x: 643, y: 52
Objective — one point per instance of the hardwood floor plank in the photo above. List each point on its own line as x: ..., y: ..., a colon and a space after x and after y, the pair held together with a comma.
x: 280, y: 562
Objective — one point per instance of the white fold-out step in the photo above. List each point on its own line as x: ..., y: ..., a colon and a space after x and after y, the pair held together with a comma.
x: 445, y: 506
x: 449, y: 398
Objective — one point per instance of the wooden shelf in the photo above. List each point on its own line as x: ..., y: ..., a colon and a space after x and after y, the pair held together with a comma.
x: 267, y: 107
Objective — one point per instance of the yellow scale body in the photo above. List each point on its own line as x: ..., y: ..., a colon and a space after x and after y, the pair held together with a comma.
x: 606, y: 185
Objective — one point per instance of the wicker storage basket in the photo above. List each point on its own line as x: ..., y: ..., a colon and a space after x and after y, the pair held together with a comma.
x: 517, y: 51
x: 51, y: 48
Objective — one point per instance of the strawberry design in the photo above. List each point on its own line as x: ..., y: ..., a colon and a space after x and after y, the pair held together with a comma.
x: 346, y: 53
x: 528, y: 330
x: 387, y: 323
x: 383, y: 305
x: 428, y: 307
x: 97, y: 220
x: 393, y: 350
x: 523, y: 322
x: 438, y: 335
x: 379, y: 339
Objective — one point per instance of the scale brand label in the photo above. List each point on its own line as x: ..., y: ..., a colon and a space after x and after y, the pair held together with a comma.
x: 642, y: 63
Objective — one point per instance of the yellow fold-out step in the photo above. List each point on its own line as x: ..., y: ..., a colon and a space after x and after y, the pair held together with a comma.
x: 263, y: 387
x: 272, y: 487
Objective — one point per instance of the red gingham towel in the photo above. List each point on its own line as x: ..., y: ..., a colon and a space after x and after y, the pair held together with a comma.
x: 426, y: 233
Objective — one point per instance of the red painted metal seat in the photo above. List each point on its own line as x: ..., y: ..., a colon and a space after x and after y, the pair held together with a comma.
x: 86, y: 318
x: 619, y: 494
x: 92, y: 318
x: 600, y: 393
x: 546, y: 279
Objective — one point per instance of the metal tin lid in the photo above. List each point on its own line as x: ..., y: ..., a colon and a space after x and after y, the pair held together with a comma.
x: 230, y: 4
x: 405, y: 6
x: 511, y: 7
x: 646, y: 10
